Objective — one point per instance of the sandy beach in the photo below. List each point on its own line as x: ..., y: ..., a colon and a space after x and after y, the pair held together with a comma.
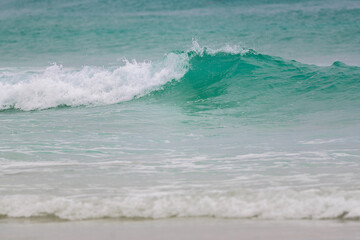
x: 209, y: 229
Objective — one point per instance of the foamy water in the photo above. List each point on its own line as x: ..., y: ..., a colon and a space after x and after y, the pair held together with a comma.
x: 268, y: 204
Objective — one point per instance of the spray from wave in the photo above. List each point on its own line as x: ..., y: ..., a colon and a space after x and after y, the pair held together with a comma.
x: 90, y: 86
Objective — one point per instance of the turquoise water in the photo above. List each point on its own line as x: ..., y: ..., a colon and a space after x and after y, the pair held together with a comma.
x: 226, y: 109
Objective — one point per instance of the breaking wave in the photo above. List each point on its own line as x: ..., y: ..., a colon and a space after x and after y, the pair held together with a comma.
x: 264, y: 204
x: 222, y: 77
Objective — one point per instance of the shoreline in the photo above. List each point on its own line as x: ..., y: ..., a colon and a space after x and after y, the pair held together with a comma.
x: 179, y: 228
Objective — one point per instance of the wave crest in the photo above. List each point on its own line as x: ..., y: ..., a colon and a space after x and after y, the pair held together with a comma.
x: 228, y: 76
x: 57, y: 86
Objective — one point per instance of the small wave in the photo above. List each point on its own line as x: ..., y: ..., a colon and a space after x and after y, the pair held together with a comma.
x: 266, y: 204
x: 231, y: 75
x: 57, y: 86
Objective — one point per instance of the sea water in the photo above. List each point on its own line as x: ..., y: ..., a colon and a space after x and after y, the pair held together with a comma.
x: 159, y: 109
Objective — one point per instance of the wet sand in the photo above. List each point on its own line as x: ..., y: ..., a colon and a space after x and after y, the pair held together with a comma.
x: 176, y: 229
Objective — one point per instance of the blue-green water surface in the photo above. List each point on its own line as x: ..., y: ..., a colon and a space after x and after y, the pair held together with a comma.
x: 158, y: 109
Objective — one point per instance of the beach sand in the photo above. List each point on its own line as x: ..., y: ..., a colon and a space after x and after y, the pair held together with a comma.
x: 24, y: 229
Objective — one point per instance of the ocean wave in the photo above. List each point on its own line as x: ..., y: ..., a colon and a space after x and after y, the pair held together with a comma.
x: 260, y: 204
x: 228, y: 76
x: 57, y: 86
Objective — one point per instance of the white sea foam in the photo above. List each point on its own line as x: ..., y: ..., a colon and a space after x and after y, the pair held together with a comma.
x: 263, y: 204
x: 89, y: 86
x: 322, y: 141
x: 235, y: 49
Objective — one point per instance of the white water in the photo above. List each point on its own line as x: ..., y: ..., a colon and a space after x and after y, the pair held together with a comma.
x: 264, y: 204
x: 57, y: 86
